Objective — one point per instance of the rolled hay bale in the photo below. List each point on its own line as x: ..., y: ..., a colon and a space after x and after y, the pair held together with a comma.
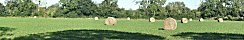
x: 201, y: 19
x: 190, y: 19
x: 152, y: 19
x: 96, y: 18
x: 170, y: 24
x: 128, y: 18
x: 184, y: 20
x: 220, y: 20
x: 35, y: 17
x: 110, y: 21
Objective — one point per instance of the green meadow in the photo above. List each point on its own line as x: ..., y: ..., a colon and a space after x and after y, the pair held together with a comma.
x: 90, y: 29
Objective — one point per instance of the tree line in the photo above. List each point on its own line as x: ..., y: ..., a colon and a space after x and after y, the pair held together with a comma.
x: 109, y: 8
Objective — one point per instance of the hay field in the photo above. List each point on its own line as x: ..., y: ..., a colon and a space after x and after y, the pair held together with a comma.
x: 83, y: 28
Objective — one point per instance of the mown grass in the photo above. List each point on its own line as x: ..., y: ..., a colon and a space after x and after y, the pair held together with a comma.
x: 26, y: 26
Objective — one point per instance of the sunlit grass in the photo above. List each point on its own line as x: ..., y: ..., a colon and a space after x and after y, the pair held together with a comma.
x: 25, y: 26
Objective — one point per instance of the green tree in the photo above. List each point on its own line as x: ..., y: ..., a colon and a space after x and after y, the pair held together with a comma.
x: 21, y: 7
x: 109, y: 8
x: 221, y: 8
x: 77, y: 8
x: 195, y: 13
x: 3, y: 10
x: 52, y: 10
x: 41, y: 11
x: 152, y: 7
x: 178, y: 10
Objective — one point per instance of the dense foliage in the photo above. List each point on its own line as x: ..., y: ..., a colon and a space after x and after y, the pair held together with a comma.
x: 20, y: 8
x: 109, y: 8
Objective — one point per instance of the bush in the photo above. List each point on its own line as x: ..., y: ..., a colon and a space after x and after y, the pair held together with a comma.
x: 240, y: 19
x: 4, y: 14
x: 230, y: 18
x: 234, y: 18
x: 72, y: 15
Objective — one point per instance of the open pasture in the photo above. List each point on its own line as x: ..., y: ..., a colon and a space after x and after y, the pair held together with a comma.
x: 83, y: 28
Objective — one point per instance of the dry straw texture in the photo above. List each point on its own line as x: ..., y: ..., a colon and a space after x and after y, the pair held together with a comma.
x: 201, y: 19
x: 96, y: 18
x: 220, y: 20
x: 110, y: 21
x: 190, y: 19
x: 128, y: 18
x: 170, y: 24
x: 152, y: 19
x: 184, y: 20
x: 35, y: 17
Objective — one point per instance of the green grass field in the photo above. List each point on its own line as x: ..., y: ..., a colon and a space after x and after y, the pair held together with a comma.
x: 83, y: 28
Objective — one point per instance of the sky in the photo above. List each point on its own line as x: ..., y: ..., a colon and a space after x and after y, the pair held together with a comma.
x: 1, y: 1
x: 131, y: 4
x: 47, y: 2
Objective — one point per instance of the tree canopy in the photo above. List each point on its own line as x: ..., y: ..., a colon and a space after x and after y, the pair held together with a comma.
x: 110, y: 8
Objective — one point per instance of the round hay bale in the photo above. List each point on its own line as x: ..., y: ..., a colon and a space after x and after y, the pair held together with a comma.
x: 201, y: 19
x: 35, y: 17
x: 220, y: 20
x: 152, y: 19
x: 170, y: 24
x: 128, y: 18
x: 110, y: 21
x: 184, y: 20
x: 190, y: 19
x: 96, y: 18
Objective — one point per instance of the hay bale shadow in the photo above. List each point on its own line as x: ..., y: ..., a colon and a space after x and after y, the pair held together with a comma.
x: 89, y: 35
x: 209, y: 36
x: 4, y: 31
x: 161, y: 29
